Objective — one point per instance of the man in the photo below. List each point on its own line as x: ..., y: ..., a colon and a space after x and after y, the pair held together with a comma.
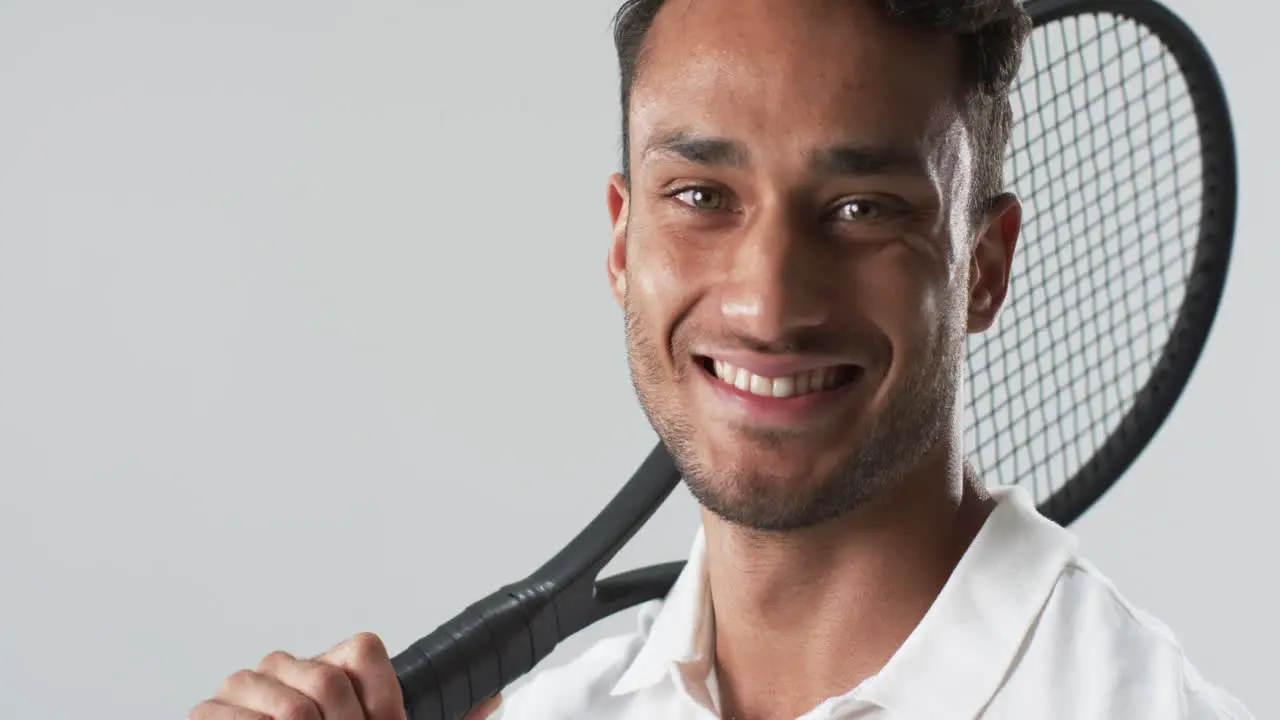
x: 808, y: 222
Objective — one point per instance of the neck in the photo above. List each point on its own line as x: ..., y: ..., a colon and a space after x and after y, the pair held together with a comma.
x: 808, y: 615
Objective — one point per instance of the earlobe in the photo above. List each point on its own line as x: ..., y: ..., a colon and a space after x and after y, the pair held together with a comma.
x: 618, y: 269
x: 992, y: 262
x: 980, y: 313
x: 618, y: 202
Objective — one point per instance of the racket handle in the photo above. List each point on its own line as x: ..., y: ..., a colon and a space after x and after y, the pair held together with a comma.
x: 472, y: 657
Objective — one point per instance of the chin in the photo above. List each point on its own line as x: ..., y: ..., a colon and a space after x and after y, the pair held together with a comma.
x: 775, y: 482
x: 797, y: 455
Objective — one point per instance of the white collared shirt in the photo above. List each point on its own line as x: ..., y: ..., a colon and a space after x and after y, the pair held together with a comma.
x: 1024, y: 629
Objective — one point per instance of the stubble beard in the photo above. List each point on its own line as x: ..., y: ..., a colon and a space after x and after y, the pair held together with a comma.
x: 915, y: 418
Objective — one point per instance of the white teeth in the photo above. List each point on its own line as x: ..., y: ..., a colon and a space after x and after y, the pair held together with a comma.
x: 780, y: 387
x: 761, y: 386
x: 784, y: 387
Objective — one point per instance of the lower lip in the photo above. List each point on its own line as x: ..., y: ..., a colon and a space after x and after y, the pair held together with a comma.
x: 776, y: 411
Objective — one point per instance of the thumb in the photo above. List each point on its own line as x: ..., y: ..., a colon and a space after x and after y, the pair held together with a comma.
x: 486, y: 709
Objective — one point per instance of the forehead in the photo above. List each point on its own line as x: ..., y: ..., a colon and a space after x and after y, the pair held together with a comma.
x: 790, y: 75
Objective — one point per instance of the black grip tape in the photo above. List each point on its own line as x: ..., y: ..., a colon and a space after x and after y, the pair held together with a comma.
x: 543, y: 622
x: 452, y: 654
x: 475, y: 655
x: 418, y: 684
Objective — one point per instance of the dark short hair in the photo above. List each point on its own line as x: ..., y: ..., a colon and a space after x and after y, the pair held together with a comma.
x: 991, y: 34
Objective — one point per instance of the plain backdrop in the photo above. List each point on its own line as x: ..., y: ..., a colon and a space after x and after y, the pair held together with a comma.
x: 304, y: 331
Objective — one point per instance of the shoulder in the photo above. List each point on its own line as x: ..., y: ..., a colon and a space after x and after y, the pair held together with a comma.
x: 581, y: 687
x: 1116, y: 660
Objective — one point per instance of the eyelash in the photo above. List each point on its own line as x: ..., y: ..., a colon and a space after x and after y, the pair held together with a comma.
x: 677, y: 192
x: 885, y: 209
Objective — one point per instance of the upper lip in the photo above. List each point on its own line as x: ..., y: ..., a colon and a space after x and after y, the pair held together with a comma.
x: 769, y: 365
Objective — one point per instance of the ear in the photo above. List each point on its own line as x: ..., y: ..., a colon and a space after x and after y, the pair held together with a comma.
x: 992, y: 259
x: 619, y: 212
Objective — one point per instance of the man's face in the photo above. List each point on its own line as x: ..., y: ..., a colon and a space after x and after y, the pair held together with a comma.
x: 795, y: 253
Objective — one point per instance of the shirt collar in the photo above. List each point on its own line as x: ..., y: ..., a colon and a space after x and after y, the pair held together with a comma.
x: 952, y: 663
x: 681, y: 635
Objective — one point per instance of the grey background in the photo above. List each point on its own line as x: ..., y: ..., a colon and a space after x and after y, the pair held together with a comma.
x: 304, y: 331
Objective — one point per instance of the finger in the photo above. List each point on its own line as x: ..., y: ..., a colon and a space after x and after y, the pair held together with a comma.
x: 486, y: 708
x: 365, y: 659
x: 327, y: 686
x: 215, y: 709
x: 261, y: 693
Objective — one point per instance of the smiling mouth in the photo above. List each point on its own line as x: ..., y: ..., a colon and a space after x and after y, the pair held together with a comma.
x: 787, y: 386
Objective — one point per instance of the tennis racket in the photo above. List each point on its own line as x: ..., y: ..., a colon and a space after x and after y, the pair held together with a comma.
x: 1123, y: 154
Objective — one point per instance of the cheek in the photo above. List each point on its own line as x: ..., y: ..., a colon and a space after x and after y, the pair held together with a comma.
x: 665, y: 267
x: 653, y: 273
x: 663, y: 280
x: 904, y: 295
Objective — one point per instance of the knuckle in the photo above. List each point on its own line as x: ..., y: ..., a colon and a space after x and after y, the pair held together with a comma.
x: 236, y: 680
x: 368, y: 648
x: 275, y: 658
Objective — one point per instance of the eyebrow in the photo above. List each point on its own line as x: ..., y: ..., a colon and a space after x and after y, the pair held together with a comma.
x: 843, y: 160
x: 856, y: 161
x: 699, y: 150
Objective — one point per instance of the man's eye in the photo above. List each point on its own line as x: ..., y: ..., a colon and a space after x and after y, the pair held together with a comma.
x: 701, y: 198
x: 861, y: 211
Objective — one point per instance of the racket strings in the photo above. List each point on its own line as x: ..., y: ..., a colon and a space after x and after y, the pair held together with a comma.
x: 1106, y: 148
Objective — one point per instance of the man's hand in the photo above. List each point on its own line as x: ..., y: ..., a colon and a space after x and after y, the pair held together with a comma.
x: 353, y: 681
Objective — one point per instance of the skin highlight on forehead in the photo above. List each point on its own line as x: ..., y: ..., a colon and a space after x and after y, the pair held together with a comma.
x: 768, y: 84
x: 762, y: 46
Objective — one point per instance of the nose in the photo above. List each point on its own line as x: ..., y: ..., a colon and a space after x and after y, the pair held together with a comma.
x: 779, y: 280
